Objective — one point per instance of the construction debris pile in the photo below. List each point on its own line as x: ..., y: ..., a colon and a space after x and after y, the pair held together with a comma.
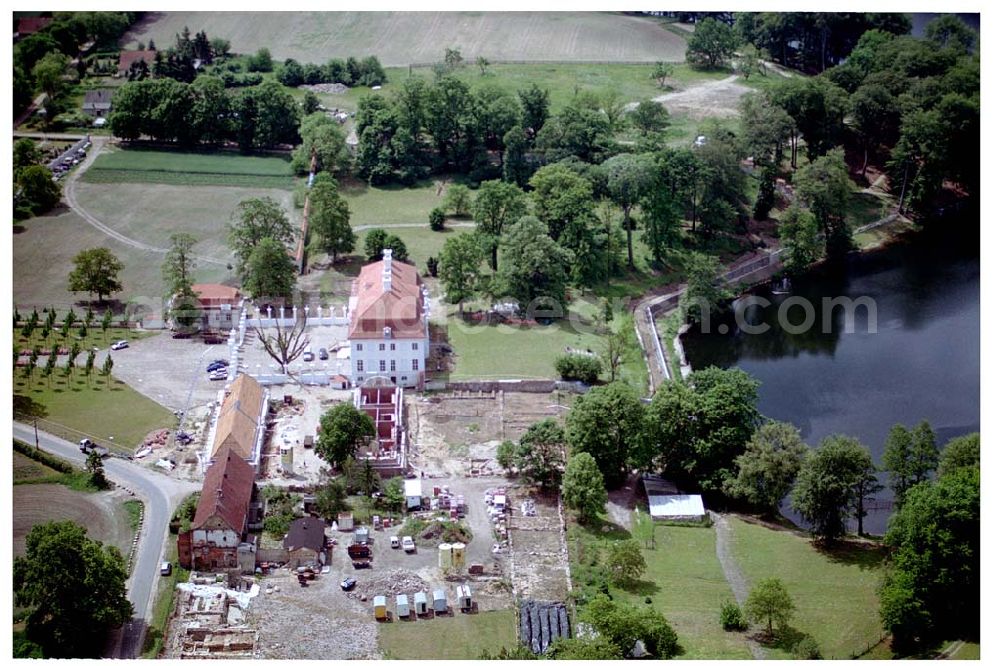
x: 388, y: 583
x: 210, y: 623
x: 326, y: 88
x: 541, y: 623
x: 496, y: 501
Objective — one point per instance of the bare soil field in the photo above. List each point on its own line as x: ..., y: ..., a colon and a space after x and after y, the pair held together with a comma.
x: 103, y: 514
x: 401, y: 38
x: 710, y: 99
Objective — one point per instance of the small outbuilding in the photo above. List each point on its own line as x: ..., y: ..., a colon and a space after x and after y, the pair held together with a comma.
x: 440, y: 601
x: 411, y: 487
x: 420, y: 603
x: 380, y: 608
x: 306, y: 542
x: 402, y: 606
x: 676, y: 507
x: 463, y: 597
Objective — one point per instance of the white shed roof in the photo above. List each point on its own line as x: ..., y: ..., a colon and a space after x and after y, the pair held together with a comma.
x: 676, y: 506
x: 411, y: 487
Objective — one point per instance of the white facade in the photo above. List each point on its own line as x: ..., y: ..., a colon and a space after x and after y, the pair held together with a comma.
x: 403, y: 360
x: 218, y: 538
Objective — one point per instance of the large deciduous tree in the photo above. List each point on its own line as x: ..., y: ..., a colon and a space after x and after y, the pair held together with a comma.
x: 629, y: 178
x: 909, y: 456
x: 583, y: 487
x: 95, y: 271
x: 712, y: 43
x: 75, y: 588
x: 342, y: 430
x: 535, y: 269
x: 539, y: 455
x: 607, y: 423
x: 270, y: 272
x: 330, y: 217
x: 768, y: 467
x: 769, y: 601
x: 497, y: 206
x: 253, y: 221
x: 826, y: 188
x: 800, y: 237
x: 623, y: 624
x: 958, y: 453
x: 321, y: 136
x: 826, y: 491
x: 459, y: 268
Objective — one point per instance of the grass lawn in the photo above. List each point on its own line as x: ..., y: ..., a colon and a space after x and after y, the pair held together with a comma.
x: 115, y: 416
x: 134, y: 165
x: 683, y: 579
x: 384, y: 206
x: 864, y: 208
x: 458, y: 637
x: 887, y: 232
x: 836, y: 594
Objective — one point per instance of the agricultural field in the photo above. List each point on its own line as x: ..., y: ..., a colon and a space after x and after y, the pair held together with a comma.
x: 843, y: 622
x: 683, y: 580
x: 190, y: 168
x: 458, y: 637
x: 401, y: 38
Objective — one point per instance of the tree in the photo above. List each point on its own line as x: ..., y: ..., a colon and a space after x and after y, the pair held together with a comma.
x: 607, y: 423
x: 616, y: 344
x: 35, y: 192
x: 650, y: 117
x: 959, y: 453
x: 269, y: 271
x: 539, y: 454
x: 826, y: 187
x: 770, y: 602
x: 826, y: 490
x: 96, y: 272
x: 535, y: 270
x: 706, y: 291
x: 931, y: 591
x: 875, y: 116
x: 579, y: 368
x: 768, y: 467
x: 712, y: 43
x: 483, y: 64
x: 909, y: 456
x: 436, y: 219
x: 343, y: 429
x: 253, y: 221
x: 260, y: 61
x: 507, y: 455
x: 108, y: 366
x: 95, y: 467
x: 392, y: 494
x: 323, y: 138
x: 88, y: 367
x: 580, y: 130
x: 749, y: 63
x: 220, y: 47
x: 106, y: 323
x: 662, y: 72
x: 459, y: 268
x: 458, y: 199
x: 331, y: 499
x: 26, y: 154
x: 376, y: 240
x: 629, y: 177
x: 178, y: 266
x: 800, y: 236
x: 534, y: 108
x: 497, y: 205
x: 48, y: 73
x: 949, y: 31
x: 583, y: 487
x: 75, y: 588
x: 290, y: 73
x: 644, y: 529
x: 625, y: 562
x: 452, y: 58
x: 764, y: 128
x: 579, y: 649
x: 432, y: 266
x: 286, y: 345
x: 330, y: 217
x: 623, y: 625
x: 310, y: 103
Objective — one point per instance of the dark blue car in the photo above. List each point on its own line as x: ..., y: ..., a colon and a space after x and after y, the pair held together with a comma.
x: 216, y: 365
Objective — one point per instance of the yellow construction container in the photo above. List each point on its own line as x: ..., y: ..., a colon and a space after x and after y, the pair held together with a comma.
x: 380, y: 608
x: 458, y: 555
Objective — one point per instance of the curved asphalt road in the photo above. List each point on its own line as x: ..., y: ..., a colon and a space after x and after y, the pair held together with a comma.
x: 161, y: 495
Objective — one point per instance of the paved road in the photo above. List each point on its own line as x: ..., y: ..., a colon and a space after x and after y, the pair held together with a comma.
x: 161, y: 494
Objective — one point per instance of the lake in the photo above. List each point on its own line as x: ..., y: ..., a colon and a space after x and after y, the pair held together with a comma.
x: 920, y: 362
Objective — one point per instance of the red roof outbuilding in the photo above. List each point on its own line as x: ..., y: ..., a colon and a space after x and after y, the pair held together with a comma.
x: 226, y: 493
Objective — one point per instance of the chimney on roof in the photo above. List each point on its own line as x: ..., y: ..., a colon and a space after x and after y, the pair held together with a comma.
x: 386, y: 270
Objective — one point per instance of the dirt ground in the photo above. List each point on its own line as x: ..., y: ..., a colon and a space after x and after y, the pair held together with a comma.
x: 103, y: 513
x: 537, y: 547
x: 712, y: 99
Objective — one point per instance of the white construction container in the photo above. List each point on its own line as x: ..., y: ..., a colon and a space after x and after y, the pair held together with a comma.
x: 413, y: 492
x: 420, y: 603
x: 402, y: 606
x: 445, y: 556
x: 287, y: 458
x: 463, y: 597
x: 458, y: 555
x: 345, y: 522
x: 440, y: 601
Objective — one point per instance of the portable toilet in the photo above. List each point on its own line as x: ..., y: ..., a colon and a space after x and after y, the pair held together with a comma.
x: 380, y: 613
x: 445, y: 558
x: 458, y: 555
x: 463, y: 597
x: 402, y: 606
x: 440, y: 601
x: 420, y: 603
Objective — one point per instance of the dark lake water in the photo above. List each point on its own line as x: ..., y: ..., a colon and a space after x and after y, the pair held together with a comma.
x: 921, y: 361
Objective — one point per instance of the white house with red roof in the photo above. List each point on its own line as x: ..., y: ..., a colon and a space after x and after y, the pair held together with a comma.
x: 388, y: 328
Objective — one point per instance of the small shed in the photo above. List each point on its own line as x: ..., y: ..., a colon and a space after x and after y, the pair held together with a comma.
x: 361, y: 535
x: 411, y: 487
x: 440, y: 601
x: 380, y: 609
x: 402, y: 606
x: 420, y: 603
x: 306, y: 542
x: 463, y: 596
x: 676, y: 507
x: 345, y: 521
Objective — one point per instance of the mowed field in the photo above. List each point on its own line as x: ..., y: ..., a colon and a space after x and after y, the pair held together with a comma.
x: 183, y: 168
x: 104, y: 515
x: 402, y: 38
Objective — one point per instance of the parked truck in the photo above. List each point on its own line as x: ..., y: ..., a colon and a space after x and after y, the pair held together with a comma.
x: 360, y: 554
x: 88, y: 447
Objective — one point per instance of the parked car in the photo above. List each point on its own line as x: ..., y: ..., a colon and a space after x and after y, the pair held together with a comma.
x: 218, y: 375
x: 348, y: 584
x: 166, y: 568
x: 121, y: 344
x: 216, y: 365
x: 408, y: 545
x: 394, y: 542
x: 323, y: 355
x: 308, y: 355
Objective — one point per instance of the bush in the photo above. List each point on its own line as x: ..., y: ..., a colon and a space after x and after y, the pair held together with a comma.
x: 46, y: 459
x: 578, y: 367
x: 437, y: 220
x: 807, y: 648
x: 732, y: 618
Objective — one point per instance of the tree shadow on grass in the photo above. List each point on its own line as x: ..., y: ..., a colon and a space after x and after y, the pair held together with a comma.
x: 644, y: 588
x: 27, y: 408
x: 602, y: 528
x: 863, y: 554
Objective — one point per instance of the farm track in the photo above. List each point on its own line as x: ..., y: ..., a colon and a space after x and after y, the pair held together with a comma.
x: 69, y: 193
x: 731, y: 569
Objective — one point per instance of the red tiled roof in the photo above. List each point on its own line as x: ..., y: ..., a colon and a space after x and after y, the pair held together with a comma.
x: 31, y: 25
x: 126, y: 58
x: 216, y: 294
x: 226, y: 493
x: 400, y: 308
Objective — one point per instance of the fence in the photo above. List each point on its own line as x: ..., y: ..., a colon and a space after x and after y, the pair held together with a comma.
x: 272, y: 319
